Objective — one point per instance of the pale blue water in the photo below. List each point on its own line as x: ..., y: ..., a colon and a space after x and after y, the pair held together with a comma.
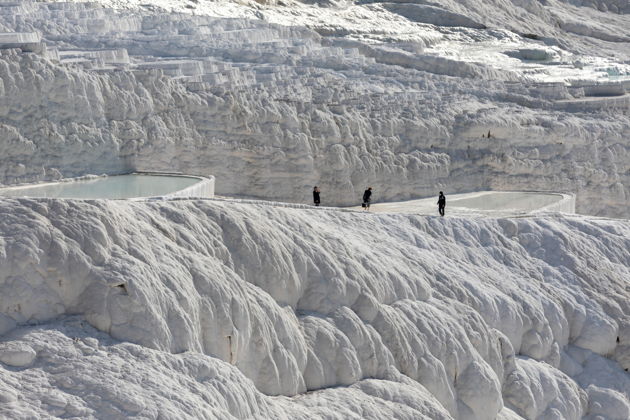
x: 522, y: 201
x: 112, y: 187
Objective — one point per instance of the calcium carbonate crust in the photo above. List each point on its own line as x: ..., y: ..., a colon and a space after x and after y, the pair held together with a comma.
x: 286, y: 108
x: 380, y: 316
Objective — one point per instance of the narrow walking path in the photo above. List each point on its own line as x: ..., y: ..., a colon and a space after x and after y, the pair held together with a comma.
x: 489, y: 203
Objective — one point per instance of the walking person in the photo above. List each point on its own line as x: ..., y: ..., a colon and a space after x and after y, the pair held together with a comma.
x: 367, y: 197
x: 316, y: 192
x: 441, y: 203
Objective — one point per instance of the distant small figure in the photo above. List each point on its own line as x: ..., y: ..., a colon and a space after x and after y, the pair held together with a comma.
x: 488, y: 133
x: 483, y: 136
x: 367, y: 197
x: 441, y: 203
x: 316, y: 192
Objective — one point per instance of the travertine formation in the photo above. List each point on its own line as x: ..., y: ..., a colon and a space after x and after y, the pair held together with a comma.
x: 443, y: 318
x: 225, y: 308
x: 272, y: 110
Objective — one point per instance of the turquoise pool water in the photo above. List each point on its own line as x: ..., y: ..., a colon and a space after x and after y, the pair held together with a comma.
x: 110, y: 187
x: 522, y: 201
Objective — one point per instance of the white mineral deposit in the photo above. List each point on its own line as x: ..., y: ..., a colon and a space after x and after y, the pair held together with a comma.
x: 150, y: 298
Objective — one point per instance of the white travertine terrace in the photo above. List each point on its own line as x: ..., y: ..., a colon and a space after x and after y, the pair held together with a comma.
x: 222, y: 308
x: 288, y: 107
x: 415, y: 316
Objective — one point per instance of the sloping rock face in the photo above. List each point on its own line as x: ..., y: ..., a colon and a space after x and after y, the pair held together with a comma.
x: 478, y: 319
x: 272, y: 110
x: 226, y: 309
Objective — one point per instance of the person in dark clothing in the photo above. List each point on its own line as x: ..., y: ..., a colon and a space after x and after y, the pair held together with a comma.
x: 441, y: 203
x: 316, y: 195
x: 367, y: 197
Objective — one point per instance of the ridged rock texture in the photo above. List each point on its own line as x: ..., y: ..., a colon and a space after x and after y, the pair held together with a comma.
x: 286, y: 108
x: 445, y: 318
x: 235, y: 308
